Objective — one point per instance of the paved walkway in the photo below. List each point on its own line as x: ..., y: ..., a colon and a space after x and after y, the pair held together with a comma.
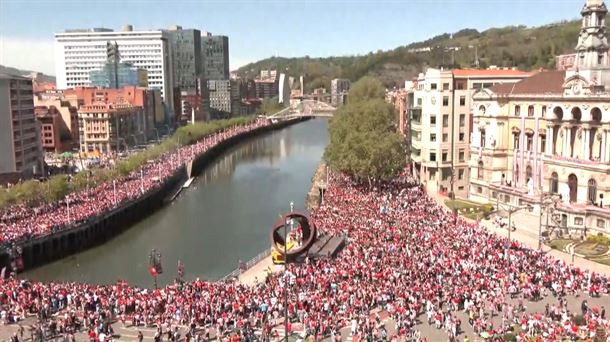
x: 526, y: 225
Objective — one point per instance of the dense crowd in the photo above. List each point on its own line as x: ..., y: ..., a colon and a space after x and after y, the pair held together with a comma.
x: 407, y: 258
x: 25, y: 221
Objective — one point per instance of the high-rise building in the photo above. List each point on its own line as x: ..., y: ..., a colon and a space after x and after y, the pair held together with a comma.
x: 339, y: 87
x: 440, y: 122
x: 115, y: 74
x: 549, y: 136
x: 215, y: 57
x: 78, y: 52
x: 20, y: 149
x: 187, y: 62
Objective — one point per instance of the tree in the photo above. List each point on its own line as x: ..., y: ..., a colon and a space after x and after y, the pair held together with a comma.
x: 367, y: 88
x: 364, y: 142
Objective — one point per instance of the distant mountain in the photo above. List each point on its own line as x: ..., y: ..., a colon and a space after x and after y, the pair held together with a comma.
x: 19, y: 72
x: 514, y: 46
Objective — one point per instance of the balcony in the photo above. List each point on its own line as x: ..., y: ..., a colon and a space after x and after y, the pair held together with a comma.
x: 577, y: 163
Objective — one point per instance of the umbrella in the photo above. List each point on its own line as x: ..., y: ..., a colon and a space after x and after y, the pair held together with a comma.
x: 484, y: 334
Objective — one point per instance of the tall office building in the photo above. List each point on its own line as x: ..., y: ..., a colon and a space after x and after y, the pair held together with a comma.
x: 77, y: 52
x: 215, y: 55
x: 115, y: 74
x: 224, y: 98
x: 186, y: 47
x: 20, y: 145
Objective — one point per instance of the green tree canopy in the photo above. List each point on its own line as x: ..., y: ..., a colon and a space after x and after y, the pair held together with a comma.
x: 367, y: 88
x: 364, y: 142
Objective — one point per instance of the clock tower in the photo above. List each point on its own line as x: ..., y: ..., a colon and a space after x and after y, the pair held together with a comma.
x: 591, y: 68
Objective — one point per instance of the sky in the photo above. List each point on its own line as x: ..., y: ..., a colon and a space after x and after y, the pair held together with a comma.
x: 264, y: 28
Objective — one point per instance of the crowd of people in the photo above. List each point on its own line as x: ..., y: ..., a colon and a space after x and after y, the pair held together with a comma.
x: 25, y: 221
x: 407, y: 258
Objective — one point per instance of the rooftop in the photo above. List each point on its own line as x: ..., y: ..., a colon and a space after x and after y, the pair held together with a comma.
x: 545, y: 82
x: 491, y: 72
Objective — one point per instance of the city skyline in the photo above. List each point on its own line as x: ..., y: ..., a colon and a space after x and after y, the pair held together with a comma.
x: 259, y: 30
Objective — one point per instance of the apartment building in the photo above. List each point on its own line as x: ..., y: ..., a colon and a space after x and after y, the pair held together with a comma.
x: 20, y: 149
x: 440, y: 122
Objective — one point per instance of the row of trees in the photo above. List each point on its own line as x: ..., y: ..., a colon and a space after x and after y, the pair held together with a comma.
x: 58, y: 186
x: 364, y: 142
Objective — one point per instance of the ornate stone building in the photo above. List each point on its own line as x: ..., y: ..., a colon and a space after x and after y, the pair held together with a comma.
x: 550, y: 134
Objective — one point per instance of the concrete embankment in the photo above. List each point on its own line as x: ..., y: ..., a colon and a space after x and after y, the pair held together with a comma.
x: 99, y: 229
x: 318, y: 183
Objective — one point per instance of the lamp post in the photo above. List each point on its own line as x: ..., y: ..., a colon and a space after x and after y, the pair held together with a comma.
x: 548, y: 201
x: 511, y: 211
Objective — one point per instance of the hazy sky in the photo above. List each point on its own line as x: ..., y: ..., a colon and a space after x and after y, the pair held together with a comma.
x: 263, y: 28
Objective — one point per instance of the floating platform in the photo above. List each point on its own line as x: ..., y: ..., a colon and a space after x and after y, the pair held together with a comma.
x: 327, y: 246
x: 188, y: 183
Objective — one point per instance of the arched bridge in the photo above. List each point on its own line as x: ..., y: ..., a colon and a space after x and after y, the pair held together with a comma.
x: 309, y: 108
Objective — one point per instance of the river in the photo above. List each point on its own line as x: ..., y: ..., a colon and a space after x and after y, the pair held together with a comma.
x: 224, y: 217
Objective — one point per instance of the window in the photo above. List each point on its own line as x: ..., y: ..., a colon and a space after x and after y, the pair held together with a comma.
x: 554, y: 186
x: 461, y: 174
x: 462, y: 101
x: 528, y: 173
x: 445, y: 101
x: 445, y: 86
x: 419, y: 101
x: 462, y: 120
x: 445, y: 120
x: 530, y: 144
x: 578, y: 221
x: 460, y: 85
x: 480, y: 170
x: 530, y: 111
x: 433, y: 120
x: 573, y: 186
x: 432, y: 156
x: 592, y: 191
x: 601, y: 224
x: 482, y: 141
x: 542, y: 143
x: 600, y: 58
x: 461, y: 155
x: 461, y: 137
x: 506, y: 198
x: 494, y: 195
x: 432, y: 137
x: 516, y: 141
x: 433, y: 86
x: 517, y: 111
x: 479, y: 190
x: 445, y: 137
x: 445, y: 154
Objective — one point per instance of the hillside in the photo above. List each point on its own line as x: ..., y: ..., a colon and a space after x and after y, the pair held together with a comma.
x: 19, y: 72
x: 514, y: 46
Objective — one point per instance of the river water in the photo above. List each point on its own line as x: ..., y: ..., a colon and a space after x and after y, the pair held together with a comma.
x: 224, y: 217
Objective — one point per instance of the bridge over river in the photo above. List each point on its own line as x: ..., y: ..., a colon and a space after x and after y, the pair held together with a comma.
x: 223, y: 218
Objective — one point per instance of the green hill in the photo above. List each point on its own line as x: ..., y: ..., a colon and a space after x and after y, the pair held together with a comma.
x: 514, y: 46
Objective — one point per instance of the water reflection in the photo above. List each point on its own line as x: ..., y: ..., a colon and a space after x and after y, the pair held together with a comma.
x: 225, y: 216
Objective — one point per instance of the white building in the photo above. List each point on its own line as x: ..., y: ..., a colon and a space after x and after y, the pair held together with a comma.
x: 77, y: 52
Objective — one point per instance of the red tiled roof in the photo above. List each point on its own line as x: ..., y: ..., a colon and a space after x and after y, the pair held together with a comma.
x: 490, y: 72
x: 546, y: 82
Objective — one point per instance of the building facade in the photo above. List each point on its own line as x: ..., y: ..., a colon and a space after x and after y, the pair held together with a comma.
x: 20, y: 149
x: 106, y: 128
x: 67, y: 108
x: 187, y: 59
x: 440, y: 123
x: 339, y: 87
x: 225, y: 100
x: 115, y: 74
x: 215, y: 57
x: 78, y: 52
x: 550, y: 134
